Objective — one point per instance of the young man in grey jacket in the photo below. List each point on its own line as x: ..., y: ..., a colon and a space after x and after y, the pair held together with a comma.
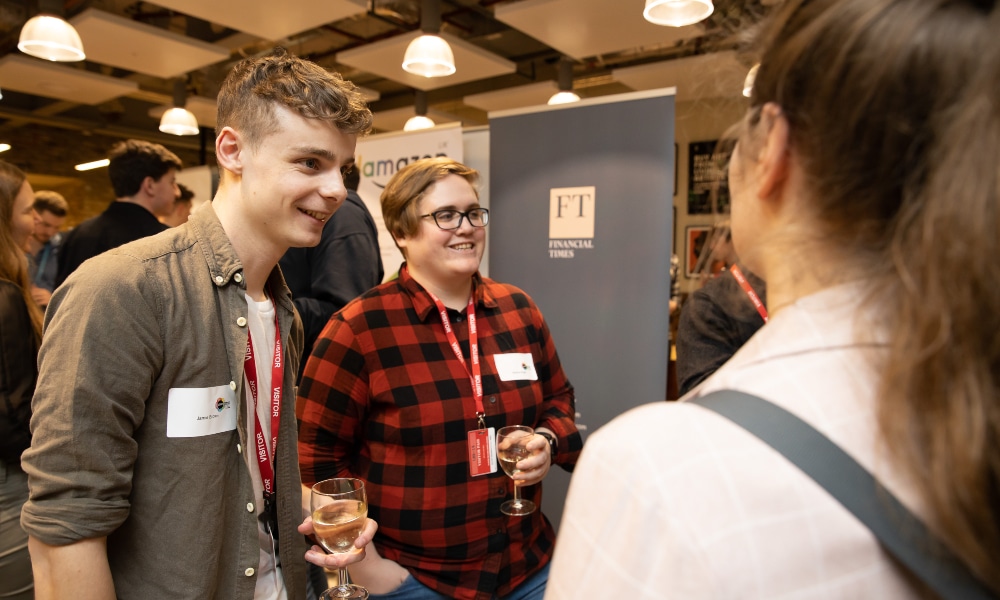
x: 155, y: 469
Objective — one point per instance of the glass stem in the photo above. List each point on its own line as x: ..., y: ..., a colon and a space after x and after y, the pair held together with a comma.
x: 517, y: 494
x: 342, y: 577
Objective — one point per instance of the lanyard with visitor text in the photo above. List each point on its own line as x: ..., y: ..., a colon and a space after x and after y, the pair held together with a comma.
x: 475, y: 374
x: 740, y: 279
x: 260, y: 444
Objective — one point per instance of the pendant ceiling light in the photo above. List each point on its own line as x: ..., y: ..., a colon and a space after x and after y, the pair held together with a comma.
x: 47, y: 35
x: 421, y: 120
x: 677, y: 13
x: 429, y: 55
x: 565, y: 95
x: 179, y: 120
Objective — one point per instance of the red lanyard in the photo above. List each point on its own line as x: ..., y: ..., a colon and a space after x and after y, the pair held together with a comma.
x: 475, y: 375
x: 277, y: 373
x: 735, y: 270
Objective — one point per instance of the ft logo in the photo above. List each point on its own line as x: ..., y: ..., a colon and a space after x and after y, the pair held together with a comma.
x: 571, y: 220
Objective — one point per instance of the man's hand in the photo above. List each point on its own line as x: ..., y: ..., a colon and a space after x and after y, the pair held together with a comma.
x: 318, y: 556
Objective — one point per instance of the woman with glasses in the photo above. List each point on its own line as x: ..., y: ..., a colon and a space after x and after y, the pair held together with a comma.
x: 20, y: 334
x: 406, y: 388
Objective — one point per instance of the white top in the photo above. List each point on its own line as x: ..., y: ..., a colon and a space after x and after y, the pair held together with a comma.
x: 260, y: 320
x: 671, y: 500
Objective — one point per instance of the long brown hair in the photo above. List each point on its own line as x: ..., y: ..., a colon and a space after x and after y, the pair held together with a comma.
x: 13, y: 263
x: 894, y: 118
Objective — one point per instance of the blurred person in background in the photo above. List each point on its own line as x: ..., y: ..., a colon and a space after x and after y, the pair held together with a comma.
x: 345, y: 264
x: 182, y: 207
x: 20, y: 335
x: 144, y: 178
x: 44, y: 243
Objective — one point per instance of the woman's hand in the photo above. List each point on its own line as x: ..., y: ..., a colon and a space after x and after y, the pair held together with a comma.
x: 535, y: 467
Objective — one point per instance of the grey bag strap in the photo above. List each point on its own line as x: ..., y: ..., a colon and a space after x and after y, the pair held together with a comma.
x: 901, y: 534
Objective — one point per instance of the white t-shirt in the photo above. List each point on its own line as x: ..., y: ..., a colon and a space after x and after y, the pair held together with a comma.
x: 260, y: 319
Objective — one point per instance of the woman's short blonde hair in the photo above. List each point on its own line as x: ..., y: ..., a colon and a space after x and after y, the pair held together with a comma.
x: 401, y: 196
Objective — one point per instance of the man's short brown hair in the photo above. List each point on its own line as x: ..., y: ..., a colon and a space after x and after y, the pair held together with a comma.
x: 247, y: 97
x: 401, y: 196
x: 47, y: 200
x: 132, y: 161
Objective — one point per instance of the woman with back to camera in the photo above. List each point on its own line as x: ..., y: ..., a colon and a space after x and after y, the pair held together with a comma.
x: 866, y: 192
x: 20, y: 334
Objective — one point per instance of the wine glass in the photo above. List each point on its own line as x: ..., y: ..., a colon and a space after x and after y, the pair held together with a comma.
x: 511, y: 448
x: 339, y: 512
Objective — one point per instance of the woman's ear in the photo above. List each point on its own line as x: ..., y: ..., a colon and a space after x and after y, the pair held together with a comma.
x: 773, y: 157
x: 229, y: 150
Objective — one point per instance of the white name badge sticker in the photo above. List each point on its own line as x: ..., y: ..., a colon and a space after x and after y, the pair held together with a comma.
x: 515, y: 367
x: 195, y: 412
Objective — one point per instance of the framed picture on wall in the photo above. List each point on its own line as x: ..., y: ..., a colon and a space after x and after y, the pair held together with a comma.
x: 695, y: 238
x: 708, y: 185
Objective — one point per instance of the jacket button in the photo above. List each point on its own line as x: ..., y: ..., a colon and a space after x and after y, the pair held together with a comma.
x: 238, y: 278
x: 242, y: 322
x: 219, y: 279
x: 249, y: 572
x: 232, y: 385
x: 239, y: 448
x: 249, y: 506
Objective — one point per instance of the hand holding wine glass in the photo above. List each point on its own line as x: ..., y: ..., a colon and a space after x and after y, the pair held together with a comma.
x: 511, y: 449
x: 339, y: 513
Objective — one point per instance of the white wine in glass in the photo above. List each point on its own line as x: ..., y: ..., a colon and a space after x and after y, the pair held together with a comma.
x: 339, y: 512
x: 511, y: 449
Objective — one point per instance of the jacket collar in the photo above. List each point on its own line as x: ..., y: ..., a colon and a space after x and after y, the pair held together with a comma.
x: 223, y: 263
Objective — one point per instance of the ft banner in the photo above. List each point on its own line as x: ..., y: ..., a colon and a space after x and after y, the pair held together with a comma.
x: 582, y: 198
x: 380, y: 156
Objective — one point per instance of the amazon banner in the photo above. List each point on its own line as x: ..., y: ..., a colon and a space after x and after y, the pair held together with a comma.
x: 380, y: 156
x: 581, y: 207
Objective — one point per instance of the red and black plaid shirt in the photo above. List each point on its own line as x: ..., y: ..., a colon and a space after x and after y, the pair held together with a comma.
x: 384, y: 398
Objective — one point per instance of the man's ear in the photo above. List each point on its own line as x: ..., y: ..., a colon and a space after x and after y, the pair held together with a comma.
x: 146, y: 187
x: 773, y: 159
x: 229, y: 147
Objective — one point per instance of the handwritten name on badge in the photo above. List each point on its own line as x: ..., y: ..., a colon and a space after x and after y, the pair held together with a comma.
x: 196, y: 412
x: 515, y: 366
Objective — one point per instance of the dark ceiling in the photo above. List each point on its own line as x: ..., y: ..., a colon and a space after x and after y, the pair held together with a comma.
x: 471, y: 20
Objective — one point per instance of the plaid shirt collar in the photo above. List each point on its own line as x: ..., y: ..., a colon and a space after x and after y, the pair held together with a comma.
x: 424, y: 305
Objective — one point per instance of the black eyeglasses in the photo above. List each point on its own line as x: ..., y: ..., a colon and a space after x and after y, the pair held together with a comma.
x: 449, y: 218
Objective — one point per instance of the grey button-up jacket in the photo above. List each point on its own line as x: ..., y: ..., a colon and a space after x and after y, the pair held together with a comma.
x: 165, y: 312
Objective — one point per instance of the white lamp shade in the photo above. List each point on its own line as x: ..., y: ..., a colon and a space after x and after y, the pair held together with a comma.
x: 51, y: 38
x: 677, y: 13
x: 563, y: 98
x: 418, y: 122
x: 429, y: 56
x: 179, y: 121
